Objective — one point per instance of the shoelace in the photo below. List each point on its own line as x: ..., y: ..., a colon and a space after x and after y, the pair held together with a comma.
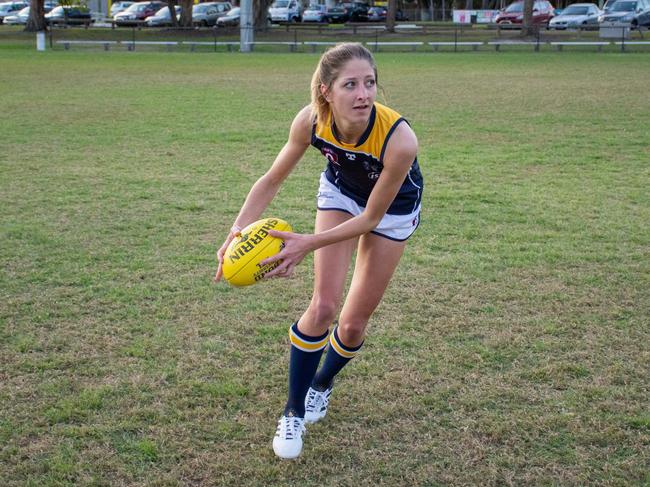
x: 316, y: 400
x: 289, y: 428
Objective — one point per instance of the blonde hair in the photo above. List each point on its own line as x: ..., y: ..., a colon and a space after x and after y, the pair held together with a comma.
x: 328, y: 69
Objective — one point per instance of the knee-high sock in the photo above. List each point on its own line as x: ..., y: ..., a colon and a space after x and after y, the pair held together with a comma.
x: 338, y: 355
x: 306, y: 352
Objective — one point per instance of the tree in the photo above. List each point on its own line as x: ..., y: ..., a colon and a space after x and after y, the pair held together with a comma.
x: 171, y: 5
x: 390, y: 15
x: 186, y: 13
x: 260, y: 12
x: 36, y: 20
x: 527, y: 29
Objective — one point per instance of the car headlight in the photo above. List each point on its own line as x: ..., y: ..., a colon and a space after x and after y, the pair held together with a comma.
x: 601, y: 18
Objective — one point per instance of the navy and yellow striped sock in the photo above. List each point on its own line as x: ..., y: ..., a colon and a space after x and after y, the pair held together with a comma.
x: 338, y: 355
x: 306, y: 352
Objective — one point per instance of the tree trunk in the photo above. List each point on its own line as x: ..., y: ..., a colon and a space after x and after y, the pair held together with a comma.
x: 527, y: 29
x: 469, y: 4
x: 36, y: 20
x: 390, y: 15
x: 261, y: 13
x: 186, y: 13
x: 171, y: 4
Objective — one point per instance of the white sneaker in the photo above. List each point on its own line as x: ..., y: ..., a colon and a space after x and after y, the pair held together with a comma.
x: 287, y: 442
x: 316, y: 404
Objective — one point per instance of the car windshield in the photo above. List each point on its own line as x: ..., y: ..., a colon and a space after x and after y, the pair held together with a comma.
x: 280, y: 4
x: 163, y: 12
x: 624, y: 7
x: 575, y: 11
x: 201, y: 8
x: 136, y: 7
x: 24, y: 11
x: 233, y: 11
x: 515, y: 8
x: 57, y: 10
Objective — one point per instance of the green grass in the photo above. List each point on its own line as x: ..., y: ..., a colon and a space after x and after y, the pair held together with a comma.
x: 510, y: 349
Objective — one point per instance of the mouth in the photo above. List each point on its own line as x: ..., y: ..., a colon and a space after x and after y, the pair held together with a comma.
x: 361, y: 107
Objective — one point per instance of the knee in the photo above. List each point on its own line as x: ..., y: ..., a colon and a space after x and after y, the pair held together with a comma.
x: 352, y: 331
x: 323, y: 310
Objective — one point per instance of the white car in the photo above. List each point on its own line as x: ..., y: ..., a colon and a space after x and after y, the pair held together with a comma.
x: 286, y: 11
x: 118, y: 7
x: 576, y: 16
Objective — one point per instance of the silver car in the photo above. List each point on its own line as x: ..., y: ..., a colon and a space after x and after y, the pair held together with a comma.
x: 206, y: 14
x: 162, y: 17
x: 19, y: 19
x: 576, y: 16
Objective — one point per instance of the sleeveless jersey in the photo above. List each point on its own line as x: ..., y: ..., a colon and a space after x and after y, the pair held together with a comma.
x: 354, y: 169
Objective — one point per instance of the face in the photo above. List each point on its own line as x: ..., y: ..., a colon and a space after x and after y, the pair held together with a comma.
x: 353, y: 93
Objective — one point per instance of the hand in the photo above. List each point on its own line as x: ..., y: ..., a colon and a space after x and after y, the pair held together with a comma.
x: 234, y: 232
x: 296, y: 246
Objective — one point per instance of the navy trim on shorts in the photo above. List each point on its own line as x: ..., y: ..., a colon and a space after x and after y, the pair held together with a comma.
x: 398, y: 239
x: 336, y: 209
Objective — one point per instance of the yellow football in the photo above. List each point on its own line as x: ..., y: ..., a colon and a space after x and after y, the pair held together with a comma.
x: 241, y: 262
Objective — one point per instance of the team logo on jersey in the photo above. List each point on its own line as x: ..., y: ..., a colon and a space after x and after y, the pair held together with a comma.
x: 373, y: 176
x: 350, y: 157
x: 330, y: 155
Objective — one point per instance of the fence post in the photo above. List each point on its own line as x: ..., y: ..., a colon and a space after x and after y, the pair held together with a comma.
x: 456, y: 39
x: 622, y: 39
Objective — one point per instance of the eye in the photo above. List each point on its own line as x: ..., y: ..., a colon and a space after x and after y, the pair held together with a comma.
x: 370, y: 83
x: 349, y: 84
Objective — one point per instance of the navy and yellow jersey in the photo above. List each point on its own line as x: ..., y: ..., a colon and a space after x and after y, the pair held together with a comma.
x: 354, y: 169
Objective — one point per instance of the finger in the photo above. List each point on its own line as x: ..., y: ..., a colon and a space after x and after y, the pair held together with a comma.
x: 279, y: 234
x: 273, y: 258
x: 219, y: 274
x: 277, y: 271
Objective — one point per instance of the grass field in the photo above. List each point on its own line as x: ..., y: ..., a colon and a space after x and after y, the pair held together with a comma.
x: 510, y: 349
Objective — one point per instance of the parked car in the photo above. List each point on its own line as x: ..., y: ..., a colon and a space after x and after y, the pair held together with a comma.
x: 11, y: 8
x: 137, y: 13
x: 543, y: 12
x: 118, y: 7
x: 286, y: 11
x: 633, y: 12
x: 337, y: 15
x: 578, y: 15
x: 162, y: 17
x: 230, y: 19
x: 18, y: 19
x: 69, y: 15
x: 206, y: 14
x: 357, y: 11
x: 315, y: 13
x: 379, y: 14
x: 608, y: 5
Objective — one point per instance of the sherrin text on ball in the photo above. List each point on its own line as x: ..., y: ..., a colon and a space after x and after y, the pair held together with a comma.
x: 241, y: 262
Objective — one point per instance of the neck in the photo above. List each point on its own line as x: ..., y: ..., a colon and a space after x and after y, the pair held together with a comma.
x: 350, y: 133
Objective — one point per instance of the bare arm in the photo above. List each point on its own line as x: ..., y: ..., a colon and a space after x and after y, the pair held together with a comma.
x: 266, y: 187
x: 400, y: 154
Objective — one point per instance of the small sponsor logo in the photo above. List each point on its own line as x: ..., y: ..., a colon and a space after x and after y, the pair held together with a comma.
x: 373, y: 176
x: 350, y: 157
x: 330, y: 155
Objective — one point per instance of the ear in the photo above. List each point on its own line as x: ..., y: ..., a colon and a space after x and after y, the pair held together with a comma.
x: 325, y: 92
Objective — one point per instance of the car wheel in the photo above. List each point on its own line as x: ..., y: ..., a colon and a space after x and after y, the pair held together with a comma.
x: 204, y: 23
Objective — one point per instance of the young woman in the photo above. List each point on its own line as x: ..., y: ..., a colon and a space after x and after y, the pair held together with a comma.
x: 368, y: 200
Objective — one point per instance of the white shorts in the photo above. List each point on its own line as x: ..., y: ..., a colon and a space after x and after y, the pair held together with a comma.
x: 393, y: 227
